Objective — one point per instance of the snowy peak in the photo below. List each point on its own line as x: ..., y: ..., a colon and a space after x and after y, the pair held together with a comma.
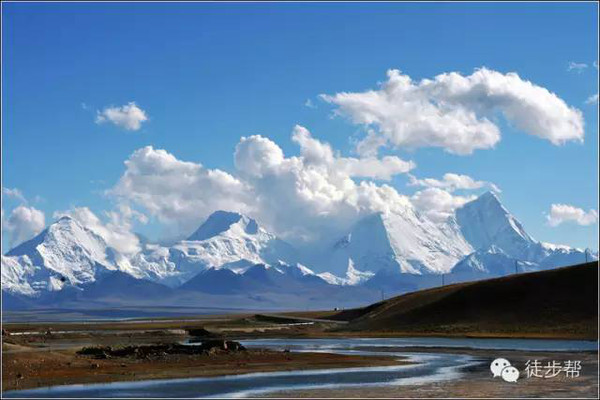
x: 65, y: 253
x: 220, y: 222
x: 485, y: 222
x: 65, y: 237
x: 225, y: 240
x: 402, y: 241
x: 501, y: 244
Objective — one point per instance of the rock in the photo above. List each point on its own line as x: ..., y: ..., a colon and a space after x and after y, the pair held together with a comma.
x: 199, y: 332
x: 162, y: 350
x: 235, y: 346
x: 226, y: 345
x: 96, y: 352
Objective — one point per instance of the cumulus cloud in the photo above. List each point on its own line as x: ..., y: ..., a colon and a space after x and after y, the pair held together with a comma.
x: 314, y: 193
x: 456, y: 112
x: 576, y: 67
x: 315, y: 152
x: 438, y: 204
x: 561, y: 213
x: 116, y: 231
x: 129, y: 117
x: 23, y: 223
x: 593, y: 99
x: 176, y: 191
x: 298, y: 197
x: 257, y: 155
x: 452, y: 182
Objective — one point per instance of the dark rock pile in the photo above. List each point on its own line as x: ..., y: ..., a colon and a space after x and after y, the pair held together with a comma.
x: 161, y: 350
x: 199, y: 333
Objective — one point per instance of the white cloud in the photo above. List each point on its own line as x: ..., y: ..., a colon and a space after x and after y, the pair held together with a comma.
x: 256, y: 155
x: 560, y: 213
x: 129, y: 116
x: 23, y: 223
x: 175, y: 191
x: 314, y: 193
x: 576, y: 67
x: 456, y: 112
x: 116, y: 232
x: 14, y: 193
x: 315, y: 152
x: 593, y: 99
x: 438, y: 204
x: 298, y: 197
x: 369, y: 146
x: 452, y: 182
x: 308, y: 103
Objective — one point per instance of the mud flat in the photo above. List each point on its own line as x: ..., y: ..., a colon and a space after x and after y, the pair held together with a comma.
x: 26, y: 367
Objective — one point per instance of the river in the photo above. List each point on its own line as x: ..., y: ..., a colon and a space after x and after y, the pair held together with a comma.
x: 423, y: 368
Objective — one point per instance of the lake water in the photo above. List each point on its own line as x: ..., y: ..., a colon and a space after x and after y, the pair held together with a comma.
x: 425, y: 367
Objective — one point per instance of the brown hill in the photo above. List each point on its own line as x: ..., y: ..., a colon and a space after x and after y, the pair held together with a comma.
x: 555, y: 303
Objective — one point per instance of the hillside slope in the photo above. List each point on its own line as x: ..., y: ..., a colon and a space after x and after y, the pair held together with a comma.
x: 563, y: 301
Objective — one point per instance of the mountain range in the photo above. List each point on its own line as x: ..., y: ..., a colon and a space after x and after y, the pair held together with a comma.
x: 232, y: 260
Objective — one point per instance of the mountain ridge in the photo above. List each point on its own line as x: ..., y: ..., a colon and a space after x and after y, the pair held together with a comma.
x: 395, y: 252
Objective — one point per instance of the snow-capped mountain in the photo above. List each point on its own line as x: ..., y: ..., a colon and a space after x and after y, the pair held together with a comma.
x: 405, y: 242
x: 352, y: 277
x: 224, y: 240
x: 65, y: 253
x: 232, y: 255
x: 484, y: 222
x: 502, y: 246
x: 490, y: 262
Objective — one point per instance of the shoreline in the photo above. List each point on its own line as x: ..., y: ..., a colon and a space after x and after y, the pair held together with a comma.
x: 477, y: 382
x: 474, y: 381
x: 29, y: 369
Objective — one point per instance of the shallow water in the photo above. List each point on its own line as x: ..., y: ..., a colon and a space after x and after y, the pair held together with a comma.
x: 425, y: 367
x: 431, y: 342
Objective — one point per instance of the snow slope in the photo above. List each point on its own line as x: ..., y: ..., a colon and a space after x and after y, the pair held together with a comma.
x: 224, y: 240
x: 66, y: 253
x: 502, y: 246
x: 404, y: 242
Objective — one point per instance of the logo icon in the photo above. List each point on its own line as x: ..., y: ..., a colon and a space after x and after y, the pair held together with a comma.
x: 510, y: 374
x: 501, y: 367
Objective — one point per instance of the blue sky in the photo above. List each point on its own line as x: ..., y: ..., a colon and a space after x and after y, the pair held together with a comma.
x: 208, y: 74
